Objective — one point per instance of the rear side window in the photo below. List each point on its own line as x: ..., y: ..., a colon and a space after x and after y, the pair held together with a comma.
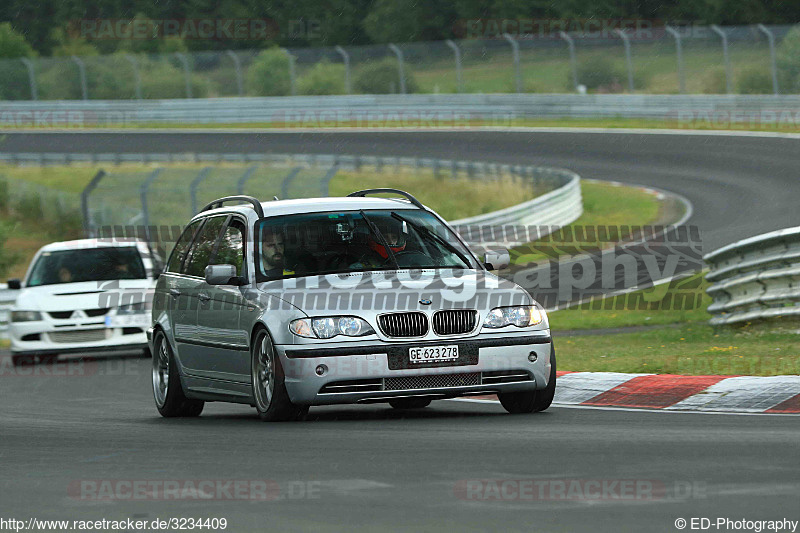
x: 203, y: 247
x: 182, y: 247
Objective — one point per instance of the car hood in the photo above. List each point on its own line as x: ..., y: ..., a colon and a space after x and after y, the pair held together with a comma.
x: 399, y: 290
x: 83, y: 295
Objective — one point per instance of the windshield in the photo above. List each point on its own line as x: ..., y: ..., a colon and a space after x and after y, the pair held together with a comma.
x: 95, y: 264
x: 334, y: 242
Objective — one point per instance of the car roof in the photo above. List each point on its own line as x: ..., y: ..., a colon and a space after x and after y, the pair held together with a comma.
x: 80, y: 244
x: 315, y: 205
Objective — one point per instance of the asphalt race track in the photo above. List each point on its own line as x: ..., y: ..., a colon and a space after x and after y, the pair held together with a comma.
x: 66, y: 426
x: 369, y: 467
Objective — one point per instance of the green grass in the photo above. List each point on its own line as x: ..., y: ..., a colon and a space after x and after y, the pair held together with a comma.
x: 603, y: 204
x: 5, y: 343
x: 693, y: 349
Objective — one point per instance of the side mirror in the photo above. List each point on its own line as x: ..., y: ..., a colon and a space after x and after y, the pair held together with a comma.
x: 221, y: 275
x: 14, y: 284
x: 496, y: 259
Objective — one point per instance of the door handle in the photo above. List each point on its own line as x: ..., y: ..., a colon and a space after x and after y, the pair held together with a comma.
x: 203, y: 297
x: 174, y: 292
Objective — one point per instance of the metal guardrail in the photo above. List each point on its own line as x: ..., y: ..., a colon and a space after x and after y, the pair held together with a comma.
x: 402, y: 111
x: 756, y: 278
x: 7, y: 298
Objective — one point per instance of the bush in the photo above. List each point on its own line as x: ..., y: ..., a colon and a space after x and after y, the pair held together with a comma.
x: 755, y: 81
x: 323, y: 78
x: 7, y: 258
x: 597, y: 72
x: 714, y: 81
x: 788, y: 62
x: 269, y: 74
x: 381, y: 77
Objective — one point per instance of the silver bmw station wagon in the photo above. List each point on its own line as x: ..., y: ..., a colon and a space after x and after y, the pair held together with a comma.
x: 287, y: 304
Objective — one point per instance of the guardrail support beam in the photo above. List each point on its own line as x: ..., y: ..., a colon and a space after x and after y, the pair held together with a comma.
x: 457, y: 54
x: 237, y: 64
x: 31, y: 77
x: 82, y: 73
x: 679, y: 54
x: 346, y: 59
x: 400, y: 70
x: 628, y: 59
x: 724, y: 36
x: 573, y: 62
x: 515, y: 54
x: 137, y: 79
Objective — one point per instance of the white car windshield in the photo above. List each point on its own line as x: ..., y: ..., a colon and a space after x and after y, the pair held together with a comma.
x: 93, y: 264
x: 350, y: 241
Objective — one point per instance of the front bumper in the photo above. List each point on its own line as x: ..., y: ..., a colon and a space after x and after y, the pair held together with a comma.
x: 361, y: 373
x: 48, y: 337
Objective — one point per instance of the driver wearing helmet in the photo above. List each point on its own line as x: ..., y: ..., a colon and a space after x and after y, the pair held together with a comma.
x: 376, y: 254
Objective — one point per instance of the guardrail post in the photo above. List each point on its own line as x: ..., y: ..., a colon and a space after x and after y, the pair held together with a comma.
x: 203, y: 174
x: 573, y: 62
x: 238, y: 66
x: 31, y: 77
x: 457, y: 53
x: 628, y: 60
x: 679, y: 53
x: 187, y: 72
x: 136, y: 78
x: 244, y: 178
x: 88, y: 227
x: 292, y: 81
x: 346, y: 59
x: 719, y: 31
x: 400, y: 71
x: 82, y: 73
x: 285, y: 183
x: 143, y: 194
x: 515, y: 53
x: 773, y: 65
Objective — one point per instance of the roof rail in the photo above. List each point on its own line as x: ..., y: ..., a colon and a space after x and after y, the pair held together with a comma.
x: 219, y: 201
x: 406, y: 195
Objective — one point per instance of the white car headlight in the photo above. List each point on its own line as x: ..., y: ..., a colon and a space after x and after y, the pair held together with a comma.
x: 329, y: 327
x: 521, y: 316
x: 25, y: 316
x: 133, y: 309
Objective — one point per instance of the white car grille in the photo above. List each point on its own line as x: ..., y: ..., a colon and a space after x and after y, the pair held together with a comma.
x: 85, y: 335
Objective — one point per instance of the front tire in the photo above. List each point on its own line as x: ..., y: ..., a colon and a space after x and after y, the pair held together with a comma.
x: 272, y: 401
x: 167, y: 390
x: 532, y: 401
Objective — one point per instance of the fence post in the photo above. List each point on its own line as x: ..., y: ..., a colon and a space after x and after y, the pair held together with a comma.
x: 573, y: 62
x: 244, y: 178
x: 203, y: 174
x: 325, y: 184
x: 628, y: 60
x: 136, y: 78
x: 143, y: 194
x: 31, y: 77
x: 187, y: 73
x: 82, y: 73
x: 287, y: 180
x: 238, y: 66
x: 87, y: 221
x: 346, y: 58
x: 400, y: 71
x: 771, y: 40
x: 457, y: 53
x: 679, y: 53
x: 719, y: 31
x: 515, y: 53
x: 292, y: 82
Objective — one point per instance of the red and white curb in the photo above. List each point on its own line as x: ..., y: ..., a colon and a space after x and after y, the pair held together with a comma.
x: 731, y: 394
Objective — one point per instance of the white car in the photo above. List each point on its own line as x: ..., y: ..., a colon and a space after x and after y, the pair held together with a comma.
x: 88, y: 295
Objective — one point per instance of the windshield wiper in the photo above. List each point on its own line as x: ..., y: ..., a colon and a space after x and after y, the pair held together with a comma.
x: 422, y: 230
x: 377, y: 233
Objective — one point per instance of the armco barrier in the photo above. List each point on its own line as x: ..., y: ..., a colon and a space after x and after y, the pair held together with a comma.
x: 756, y: 278
x: 411, y: 111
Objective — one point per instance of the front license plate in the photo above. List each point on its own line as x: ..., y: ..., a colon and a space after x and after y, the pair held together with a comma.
x: 433, y: 354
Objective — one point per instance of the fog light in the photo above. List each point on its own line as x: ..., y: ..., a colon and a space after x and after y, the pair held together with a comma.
x: 321, y: 369
x: 532, y: 357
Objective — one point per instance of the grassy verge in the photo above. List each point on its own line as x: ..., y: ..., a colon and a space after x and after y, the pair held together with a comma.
x: 5, y: 343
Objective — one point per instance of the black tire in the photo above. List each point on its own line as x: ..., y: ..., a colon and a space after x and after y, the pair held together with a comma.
x: 267, y: 378
x: 410, y: 403
x: 146, y: 354
x: 167, y: 390
x: 532, y: 401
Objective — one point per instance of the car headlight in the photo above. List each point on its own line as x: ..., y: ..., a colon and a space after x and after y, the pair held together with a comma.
x: 132, y: 309
x: 25, y: 316
x: 521, y: 316
x: 330, y: 326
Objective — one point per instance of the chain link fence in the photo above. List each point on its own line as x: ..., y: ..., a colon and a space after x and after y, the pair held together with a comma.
x: 694, y: 60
